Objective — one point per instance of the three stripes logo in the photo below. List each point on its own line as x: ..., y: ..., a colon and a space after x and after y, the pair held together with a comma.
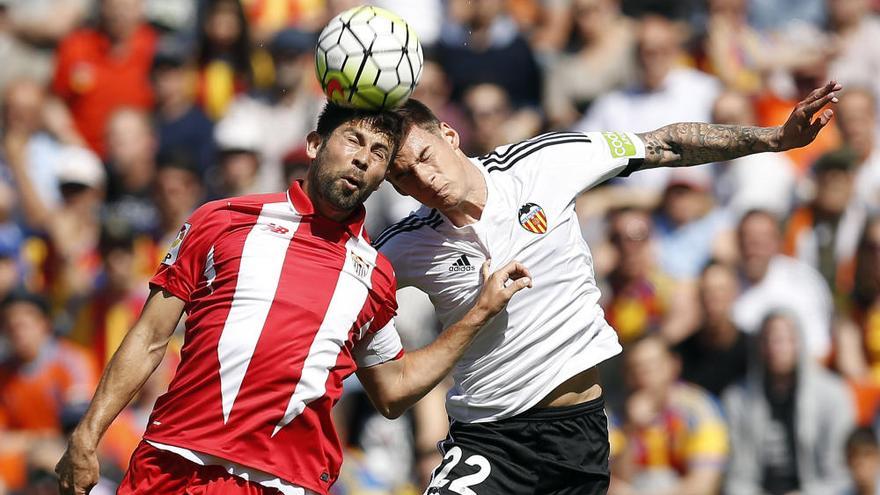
x: 532, y: 218
x: 462, y: 264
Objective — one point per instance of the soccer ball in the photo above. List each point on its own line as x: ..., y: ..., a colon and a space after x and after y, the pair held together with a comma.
x: 368, y: 57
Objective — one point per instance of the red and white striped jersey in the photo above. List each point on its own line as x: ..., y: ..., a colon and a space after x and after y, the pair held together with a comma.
x: 282, y: 305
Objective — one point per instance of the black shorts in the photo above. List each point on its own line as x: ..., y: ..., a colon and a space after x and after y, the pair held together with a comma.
x: 554, y: 451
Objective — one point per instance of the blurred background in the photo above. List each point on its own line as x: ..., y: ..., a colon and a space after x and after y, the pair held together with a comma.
x: 746, y: 294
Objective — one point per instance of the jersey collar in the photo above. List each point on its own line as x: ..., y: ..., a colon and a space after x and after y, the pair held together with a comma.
x: 302, y: 204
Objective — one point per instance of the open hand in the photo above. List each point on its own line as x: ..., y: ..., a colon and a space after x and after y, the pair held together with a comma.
x: 801, y: 128
x: 500, y: 286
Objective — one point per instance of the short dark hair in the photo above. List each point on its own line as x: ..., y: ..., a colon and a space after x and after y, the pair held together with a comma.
x: 22, y: 295
x: 334, y: 115
x: 859, y: 438
x: 416, y: 114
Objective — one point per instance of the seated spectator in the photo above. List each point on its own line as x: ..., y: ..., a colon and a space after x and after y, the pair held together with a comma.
x: 29, y: 31
x: 688, y: 227
x: 177, y: 192
x: 857, y: 344
x: 788, y: 420
x: 239, y: 142
x: 605, y: 46
x: 764, y: 181
x: 116, y: 301
x: 180, y: 123
x: 642, y: 299
x: 480, y: 44
x: 734, y: 51
x: 227, y: 63
x: 45, y: 386
x: 285, y: 112
x: 825, y: 232
x: 715, y: 356
x: 494, y: 120
x: 131, y: 163
x: 857, y: 120
x: 101, y: 69
x: 772, y: 280
x: 675, y: 440
x: 435, y: 91
x: 23, y: 105
x: 855, y: 31
x: 863, y: 461
x: 664, y: 93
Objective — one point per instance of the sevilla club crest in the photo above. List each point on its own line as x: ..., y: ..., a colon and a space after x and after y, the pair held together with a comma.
x: 532, y: 218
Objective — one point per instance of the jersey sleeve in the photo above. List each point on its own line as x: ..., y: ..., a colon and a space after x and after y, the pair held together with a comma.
x: 378, y: 347
x: 562, y: 165
x: 184, y: 264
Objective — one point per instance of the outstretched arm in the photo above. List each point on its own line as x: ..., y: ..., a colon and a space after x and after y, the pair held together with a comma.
x: 395, y: 386
x: 140, y: 353
x: 686, y: 144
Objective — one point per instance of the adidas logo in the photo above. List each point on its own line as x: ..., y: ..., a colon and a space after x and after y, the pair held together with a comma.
x: 462, y: 264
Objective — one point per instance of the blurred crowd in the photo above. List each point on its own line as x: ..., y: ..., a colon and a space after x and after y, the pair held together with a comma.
x: 746, y: 294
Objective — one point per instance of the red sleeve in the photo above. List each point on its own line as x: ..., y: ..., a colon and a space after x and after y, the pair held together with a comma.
x: 183, y: 266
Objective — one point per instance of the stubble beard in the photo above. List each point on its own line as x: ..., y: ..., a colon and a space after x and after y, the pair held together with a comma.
x: 330, y: 188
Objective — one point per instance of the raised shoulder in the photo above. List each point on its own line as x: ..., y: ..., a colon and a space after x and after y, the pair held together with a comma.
x: 506, y: 157
x: 422, y: 218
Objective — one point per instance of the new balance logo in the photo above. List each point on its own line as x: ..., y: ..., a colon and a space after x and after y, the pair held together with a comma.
x: 462, y: 264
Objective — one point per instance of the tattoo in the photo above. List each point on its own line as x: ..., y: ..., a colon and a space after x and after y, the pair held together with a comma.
x: 685, y: 144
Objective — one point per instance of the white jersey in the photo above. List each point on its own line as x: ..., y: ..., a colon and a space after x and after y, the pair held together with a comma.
x: 550, y: 332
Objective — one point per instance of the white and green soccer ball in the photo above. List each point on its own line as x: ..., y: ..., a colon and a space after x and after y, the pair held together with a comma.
x: 368, y: 57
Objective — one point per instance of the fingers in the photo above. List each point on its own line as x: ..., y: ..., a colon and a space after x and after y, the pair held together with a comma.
x: 821, y: 97
x: 821, y: 121
x: 518, y: 285
x: 484, y: 270
x: 514, y: 271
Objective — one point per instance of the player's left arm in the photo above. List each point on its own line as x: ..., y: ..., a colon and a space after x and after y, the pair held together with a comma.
x: 691, y: 143
x: 394, y: 386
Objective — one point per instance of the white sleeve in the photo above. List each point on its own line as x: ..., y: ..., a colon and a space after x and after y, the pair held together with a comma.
x: 561, y: 165
x: 378, y: 347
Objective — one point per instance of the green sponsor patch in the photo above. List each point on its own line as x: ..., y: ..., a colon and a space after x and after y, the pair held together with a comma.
x: 620, y: 144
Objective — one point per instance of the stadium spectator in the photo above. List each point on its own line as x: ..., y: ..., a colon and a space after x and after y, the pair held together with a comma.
x: 734, y: 51
x: 228, y: 63
x: 715, y: 355
x: 788, y: 420
x: 855, y: 32
x: 857, y: 350
x: 177, y: 192
x: 772, y: 280
x: 180, y: 123
x: 688, y: 227
x: 825, y: 232
x: 285, y: 112
x: 29, y: 31
x: 239, y: 142
x: 642, y: 298
x: 665, y: 92
x: 479, y: 44
x: 435, y: 91
x: 863, y: 461
x: 605, y: 41
x: 857, y: 120
x: 45, y: 384
x: 494, y: 120
x: 115, y: 302
x: 765, y: 181
x: 675, y: 437
x: 131, y: 165
x: 101, y: 69
x: 23, y: 105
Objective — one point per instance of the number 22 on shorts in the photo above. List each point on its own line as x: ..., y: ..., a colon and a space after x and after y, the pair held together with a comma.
x: 461, y: 485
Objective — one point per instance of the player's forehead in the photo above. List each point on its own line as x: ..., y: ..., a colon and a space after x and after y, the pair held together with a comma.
x: 368, y: 130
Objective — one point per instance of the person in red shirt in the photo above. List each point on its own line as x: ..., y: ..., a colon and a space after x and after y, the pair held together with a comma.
x: 99, y: 70
x: 284, y: 297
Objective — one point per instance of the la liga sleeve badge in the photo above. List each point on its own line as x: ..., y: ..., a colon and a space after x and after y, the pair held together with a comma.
x: 174, y: 250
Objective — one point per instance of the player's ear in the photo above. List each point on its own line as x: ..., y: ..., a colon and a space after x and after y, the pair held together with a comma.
x: 450, y: 135
x: 313, y: 144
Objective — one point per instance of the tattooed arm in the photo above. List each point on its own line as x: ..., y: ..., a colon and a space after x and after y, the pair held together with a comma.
x: 685, y: 144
